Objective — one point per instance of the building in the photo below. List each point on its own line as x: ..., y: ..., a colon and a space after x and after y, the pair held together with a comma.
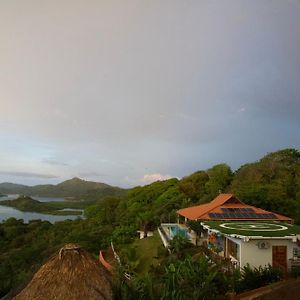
x: 256, y: 243
x: 242, y: 233
x: 228, y: 207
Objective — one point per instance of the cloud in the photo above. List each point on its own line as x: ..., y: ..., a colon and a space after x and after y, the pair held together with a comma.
x: 28, y: 174
x: 91, y: 174
x: 149, y: 178
x: 241, y: 110
x: 54, y: 162
x: 169, y: 90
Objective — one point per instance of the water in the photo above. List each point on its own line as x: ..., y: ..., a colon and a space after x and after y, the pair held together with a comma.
x: 176, y: 230
x: 172, y: 229
x: 41, y: 199
x: 9, y: 197
x: 10, y: 212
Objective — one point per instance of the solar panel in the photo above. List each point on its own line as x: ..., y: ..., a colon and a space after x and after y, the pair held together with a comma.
x: 237, y: 209
x: 225, y: 209
x: 241, y: 213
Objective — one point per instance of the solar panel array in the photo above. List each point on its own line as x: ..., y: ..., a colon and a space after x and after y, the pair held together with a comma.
x: 241, y: 213
x: 237, y: 210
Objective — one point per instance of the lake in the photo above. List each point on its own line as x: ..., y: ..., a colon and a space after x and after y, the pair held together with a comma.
x: 9, y: 212
x: 41, y: 199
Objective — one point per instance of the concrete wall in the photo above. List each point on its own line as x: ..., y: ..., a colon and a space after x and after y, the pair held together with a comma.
x: 250, y: 253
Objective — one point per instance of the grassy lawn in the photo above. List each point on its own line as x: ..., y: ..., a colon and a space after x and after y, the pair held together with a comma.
x: 148, y: 252
x: 144, y: 253
x: 255, y: 228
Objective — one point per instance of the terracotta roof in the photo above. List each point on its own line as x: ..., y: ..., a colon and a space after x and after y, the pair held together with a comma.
x: 195, y: 212
x: 201, y: 212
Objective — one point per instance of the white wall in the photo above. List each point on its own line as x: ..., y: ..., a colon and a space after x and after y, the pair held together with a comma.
x: 250, y: 253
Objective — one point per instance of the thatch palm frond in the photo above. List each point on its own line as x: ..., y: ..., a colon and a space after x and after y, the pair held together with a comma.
x: 72, y: 274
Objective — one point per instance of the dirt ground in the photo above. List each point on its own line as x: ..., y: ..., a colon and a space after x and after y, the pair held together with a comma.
x: 289, y: 291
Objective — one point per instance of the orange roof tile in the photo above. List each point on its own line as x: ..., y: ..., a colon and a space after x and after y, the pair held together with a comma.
x: 195, y: 212
x: 223, y: 201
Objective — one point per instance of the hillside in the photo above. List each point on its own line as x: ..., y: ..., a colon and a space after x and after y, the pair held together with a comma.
x: 75, y: 188
x: 272, y: 183
x: 25, y: 203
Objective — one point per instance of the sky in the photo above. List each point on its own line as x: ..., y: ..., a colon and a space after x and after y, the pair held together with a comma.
x: 132, y: 91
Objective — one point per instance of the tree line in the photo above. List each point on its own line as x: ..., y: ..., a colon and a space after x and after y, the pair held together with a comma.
x: 272, y: 183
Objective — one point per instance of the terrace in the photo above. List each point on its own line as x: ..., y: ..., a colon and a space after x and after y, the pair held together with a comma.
x: 257, y: 229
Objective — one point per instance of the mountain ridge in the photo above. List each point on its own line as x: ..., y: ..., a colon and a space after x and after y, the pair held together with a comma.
x: 74, y: 187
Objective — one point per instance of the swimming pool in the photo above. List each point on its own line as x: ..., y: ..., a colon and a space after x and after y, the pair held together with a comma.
x: 175, y: 229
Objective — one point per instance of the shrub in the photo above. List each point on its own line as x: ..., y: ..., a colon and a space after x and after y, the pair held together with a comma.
x: 295, y: 272
x: 252, y: 278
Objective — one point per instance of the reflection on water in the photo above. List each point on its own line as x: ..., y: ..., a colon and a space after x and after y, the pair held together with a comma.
x: 41, y: 199
x: 9, y: 197
x: 9, y: 212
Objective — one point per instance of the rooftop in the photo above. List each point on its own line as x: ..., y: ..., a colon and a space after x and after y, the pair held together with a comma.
x: 254, y: 228
x: 229, y: 207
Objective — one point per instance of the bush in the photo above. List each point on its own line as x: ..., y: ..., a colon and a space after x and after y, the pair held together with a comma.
x: 295, y: 272
x: 252, y: 278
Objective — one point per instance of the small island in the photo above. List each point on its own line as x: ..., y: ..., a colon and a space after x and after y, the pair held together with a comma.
x: 26, y: 203
x: 2, y: 195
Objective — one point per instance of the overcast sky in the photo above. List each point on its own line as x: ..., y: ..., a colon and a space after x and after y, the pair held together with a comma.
x: 127, y: 92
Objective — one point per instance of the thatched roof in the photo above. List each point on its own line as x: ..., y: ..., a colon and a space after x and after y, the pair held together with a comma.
x: 72, y: 274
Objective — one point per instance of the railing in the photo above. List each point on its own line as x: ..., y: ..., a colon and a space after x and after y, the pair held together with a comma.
x: 164, y: 237
x: 104, y: 263
x: 117, y: 257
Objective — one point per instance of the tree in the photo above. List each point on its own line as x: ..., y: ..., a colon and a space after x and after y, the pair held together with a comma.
x: 220, y: 177
x: 193, y: 186
x: 178, y: 244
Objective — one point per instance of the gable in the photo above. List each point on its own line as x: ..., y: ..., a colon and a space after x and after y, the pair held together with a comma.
x: 229, y: 207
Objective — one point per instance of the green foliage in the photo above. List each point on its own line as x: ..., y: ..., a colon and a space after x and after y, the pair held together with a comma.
x: 194, y: 279
x: 124, y: 234
x: 23, y: 247
x: 25, y: 203
x: 220, y: 177
x: 178, y: 244
x: 193, y: 186
x: 104, y: 211
x: 196, y: 226
x: 295, y: 272
x: 273, y: 183
x: 74, y: 188
x: 178, y: 280
x: 252, y: 278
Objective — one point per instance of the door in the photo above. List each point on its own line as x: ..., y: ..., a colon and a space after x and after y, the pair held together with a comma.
x: 279, y: 257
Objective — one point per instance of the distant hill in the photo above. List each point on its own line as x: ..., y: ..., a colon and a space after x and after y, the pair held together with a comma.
x: 73, y: 188
x: 12, y: 188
